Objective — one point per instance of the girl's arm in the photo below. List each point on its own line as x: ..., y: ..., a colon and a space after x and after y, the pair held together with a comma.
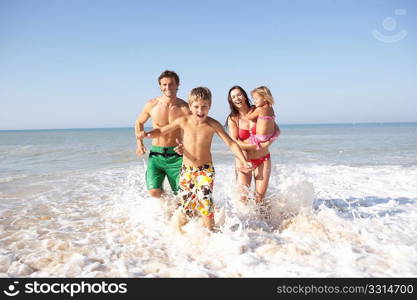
x: 253, y: 114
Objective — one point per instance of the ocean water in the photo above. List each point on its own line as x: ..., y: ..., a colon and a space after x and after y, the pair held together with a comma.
x: 73, y: 203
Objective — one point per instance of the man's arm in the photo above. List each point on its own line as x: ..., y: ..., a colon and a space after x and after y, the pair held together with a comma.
x: 179, y: 148
x: 139, y: 124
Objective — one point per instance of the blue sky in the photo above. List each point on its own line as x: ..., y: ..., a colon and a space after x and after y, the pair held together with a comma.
x: 82, y: 64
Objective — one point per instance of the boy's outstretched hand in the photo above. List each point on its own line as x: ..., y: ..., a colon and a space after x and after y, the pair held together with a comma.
x: 140, y: 135
x: 248, y: 167
x: 143, y: 134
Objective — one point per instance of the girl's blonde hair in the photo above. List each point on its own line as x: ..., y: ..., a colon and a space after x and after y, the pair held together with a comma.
x: 264, y: 92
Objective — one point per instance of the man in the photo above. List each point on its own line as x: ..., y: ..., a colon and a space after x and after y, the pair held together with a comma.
x: 163, y: 160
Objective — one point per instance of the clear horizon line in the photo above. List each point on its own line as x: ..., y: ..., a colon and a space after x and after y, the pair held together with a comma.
x: 282, y: 124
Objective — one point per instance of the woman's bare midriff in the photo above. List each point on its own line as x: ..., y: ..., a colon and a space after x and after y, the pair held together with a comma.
x: 254, y: 154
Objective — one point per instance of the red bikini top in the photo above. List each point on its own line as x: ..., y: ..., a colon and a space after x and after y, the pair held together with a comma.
x: 244, y: 133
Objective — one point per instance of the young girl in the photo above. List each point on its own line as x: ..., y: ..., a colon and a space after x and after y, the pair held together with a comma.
x: 264, y: 116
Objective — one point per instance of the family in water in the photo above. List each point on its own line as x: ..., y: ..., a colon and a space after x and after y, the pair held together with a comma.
x: 182, y: 135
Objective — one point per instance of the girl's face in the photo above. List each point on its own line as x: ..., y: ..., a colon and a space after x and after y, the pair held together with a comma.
x: 259, y: 101
x: 238, y: 98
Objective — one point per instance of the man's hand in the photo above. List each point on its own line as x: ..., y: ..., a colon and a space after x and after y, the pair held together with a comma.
x: 179, y: 148
x: 140, y: 150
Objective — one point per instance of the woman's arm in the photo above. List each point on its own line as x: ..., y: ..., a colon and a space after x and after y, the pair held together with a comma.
x: 245, y: 146
x: 233, y: 130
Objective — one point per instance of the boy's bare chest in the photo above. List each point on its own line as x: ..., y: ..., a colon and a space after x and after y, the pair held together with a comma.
x: 201, y: 134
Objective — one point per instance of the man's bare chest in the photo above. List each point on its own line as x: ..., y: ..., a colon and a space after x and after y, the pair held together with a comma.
x: 163, y: 115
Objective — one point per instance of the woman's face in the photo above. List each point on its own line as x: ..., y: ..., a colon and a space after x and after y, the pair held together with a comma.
x: 238, y: 99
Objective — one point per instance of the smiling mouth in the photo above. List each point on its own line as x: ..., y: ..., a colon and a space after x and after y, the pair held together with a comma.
x: 200, y: 116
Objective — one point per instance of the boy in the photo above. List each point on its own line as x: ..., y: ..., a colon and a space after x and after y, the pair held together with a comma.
x: 197, y: 172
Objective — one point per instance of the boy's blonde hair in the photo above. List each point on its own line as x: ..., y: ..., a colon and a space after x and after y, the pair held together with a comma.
x: 265, y: 93
x: 199, y: 93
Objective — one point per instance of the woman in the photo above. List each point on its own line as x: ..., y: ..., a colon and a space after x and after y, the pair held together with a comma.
x: 240, y: 129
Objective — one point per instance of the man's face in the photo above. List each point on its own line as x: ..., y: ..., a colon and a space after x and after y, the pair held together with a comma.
x: 200, y: 109
x: 168, y: 86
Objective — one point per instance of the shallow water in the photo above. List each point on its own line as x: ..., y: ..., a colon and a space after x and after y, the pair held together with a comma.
x: 73, y: 204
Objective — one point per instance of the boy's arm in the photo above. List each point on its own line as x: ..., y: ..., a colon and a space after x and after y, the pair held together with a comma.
x: 139, y: 124
x: 230, y: 143
x: 154, y: 133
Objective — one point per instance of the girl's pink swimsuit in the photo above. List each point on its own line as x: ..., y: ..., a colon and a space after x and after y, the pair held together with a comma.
x: 255, y: 139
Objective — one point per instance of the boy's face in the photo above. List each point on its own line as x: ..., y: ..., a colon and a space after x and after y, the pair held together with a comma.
x: 168, y: 86
x: 199, y: 109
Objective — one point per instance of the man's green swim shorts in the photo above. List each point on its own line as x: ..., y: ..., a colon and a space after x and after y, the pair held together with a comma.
x: 163, y: 161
